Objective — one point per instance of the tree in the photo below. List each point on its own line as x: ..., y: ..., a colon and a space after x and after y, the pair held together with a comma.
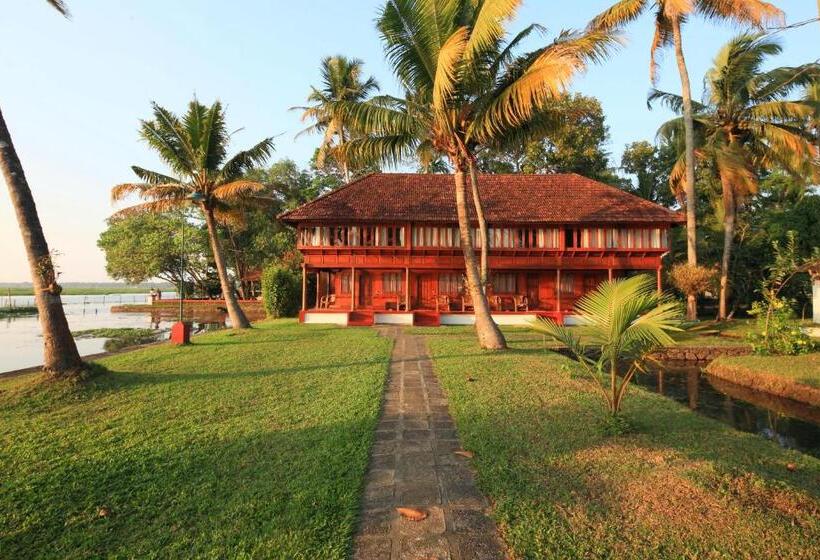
x: 195, y: 149
x: 60, y: 356
x: 576, y: 144
x: 341, y: 82
x: 466, y: 88
x: 669, y: 16
x: 145, y: 246
x: 749, y: 126
x: 624, y: 321
x: 651, y: 165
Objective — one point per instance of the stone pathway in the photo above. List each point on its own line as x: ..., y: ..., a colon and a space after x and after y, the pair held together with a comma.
x: 413, y: 464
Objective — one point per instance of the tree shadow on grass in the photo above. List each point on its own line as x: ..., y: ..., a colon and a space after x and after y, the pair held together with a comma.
x: 286, y: 493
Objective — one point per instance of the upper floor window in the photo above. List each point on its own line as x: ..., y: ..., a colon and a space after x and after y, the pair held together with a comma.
x: 352, y: 236
x: 436, y: 236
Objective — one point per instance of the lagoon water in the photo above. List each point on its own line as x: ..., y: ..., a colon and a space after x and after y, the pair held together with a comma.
x: 21, y: 345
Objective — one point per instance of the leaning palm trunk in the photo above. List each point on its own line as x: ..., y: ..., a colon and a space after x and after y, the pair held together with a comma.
x: 238, y: 319
x: 483, y: 230
x: 489, y: 335
x: 61, y: 358
x: 689, y: 183
x: 729, y: 211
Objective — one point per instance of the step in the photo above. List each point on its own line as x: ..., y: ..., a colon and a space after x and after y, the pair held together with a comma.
x: 426, y: 319
x: 360, y: 319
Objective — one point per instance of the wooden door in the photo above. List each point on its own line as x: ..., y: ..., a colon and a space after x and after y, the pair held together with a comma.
x: 365, y: 288
x: 426, y: 289
x: 532, y: 289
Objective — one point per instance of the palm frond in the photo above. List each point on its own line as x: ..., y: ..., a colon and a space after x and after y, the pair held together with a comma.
x: 487, y: 27
x: 745, y: 12
x: 153, y: 207
x: 618, y: 15
x: 152, y: 177
x: 237, y: 189
x: 246, y: 160
x: 449, y: 58
x: 60, y: 6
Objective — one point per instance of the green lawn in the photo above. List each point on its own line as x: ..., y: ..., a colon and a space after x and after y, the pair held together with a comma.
x: 242, y: 445
x: 803, y: 369
x: 680, y: 486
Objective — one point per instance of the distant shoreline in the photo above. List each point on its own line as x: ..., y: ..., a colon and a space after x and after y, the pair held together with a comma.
x: 80, y: 289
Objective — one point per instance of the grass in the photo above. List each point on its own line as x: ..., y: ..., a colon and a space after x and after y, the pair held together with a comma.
x: 243, y: 444
x: 679, y: 486
x: 18, y: 311
x: 793, y: 377
x: 119, y: 338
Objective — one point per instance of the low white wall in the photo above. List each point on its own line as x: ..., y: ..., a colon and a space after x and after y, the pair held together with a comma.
x: 815, y: 300
x: 393, y: 318
x: 516, y: 320
x: 573, y: 320
x: 448, y: 319
x: 326, y: 318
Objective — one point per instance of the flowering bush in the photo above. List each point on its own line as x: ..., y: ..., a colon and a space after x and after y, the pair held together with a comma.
x: 777, y: 333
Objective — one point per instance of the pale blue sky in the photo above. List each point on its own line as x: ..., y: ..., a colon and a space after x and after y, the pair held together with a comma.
x: 72, y: 91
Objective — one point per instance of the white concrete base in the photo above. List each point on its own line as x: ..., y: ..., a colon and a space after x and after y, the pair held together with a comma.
x: 514, y: 320
x: 573, y: 321
x: 454, y: 319
x: 393, y: 318
x: 815, y: 300
x: 326, y: 318
x: 518, y: 320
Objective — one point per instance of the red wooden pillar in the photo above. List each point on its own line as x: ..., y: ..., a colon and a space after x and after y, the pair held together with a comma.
x: 353, y: 288
x: 304, y: 287
x: 318, y: 287
x: 558, y: 290
x: 610, y: 274
x: 407, y: 289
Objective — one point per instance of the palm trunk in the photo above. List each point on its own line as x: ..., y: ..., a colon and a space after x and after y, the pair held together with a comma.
x: 238, y: 319
x: 489, y: 335
x: 237, y: 262
x: 483, y: 230
x: 689, y: 184
x: 729, y: 211
x: 60, y: 356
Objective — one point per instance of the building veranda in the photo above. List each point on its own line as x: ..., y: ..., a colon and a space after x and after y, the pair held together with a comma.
x: 385, y: 248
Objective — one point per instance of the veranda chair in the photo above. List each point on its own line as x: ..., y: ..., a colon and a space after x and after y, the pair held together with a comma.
x: 442, y: 303
x: 467, y: 302
x: 326, y: 302
x: 521, y: 303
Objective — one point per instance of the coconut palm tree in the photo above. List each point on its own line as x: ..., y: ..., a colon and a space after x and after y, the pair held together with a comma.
x: 669, y: 16
x: 60, y: 356
x: 466, y: 87
x: 748, y: 125
x: 195, y: 149
x: 624, y: 321
x: 341, y: 82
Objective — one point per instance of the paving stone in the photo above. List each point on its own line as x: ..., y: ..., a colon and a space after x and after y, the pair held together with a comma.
x: 412, y: 464
x: 373, y: 548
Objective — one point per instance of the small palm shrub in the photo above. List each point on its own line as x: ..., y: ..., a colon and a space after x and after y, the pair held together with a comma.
x: 623, y: 322
x: 280, y: 291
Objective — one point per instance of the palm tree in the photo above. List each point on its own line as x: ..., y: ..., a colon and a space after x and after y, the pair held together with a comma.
x: 748, y: 125
x: 669, y: 15
x: 60, y: 356
x: 195, y: 149
x: 624, y: 321
x: 466, y: 88
x: 341, y: 82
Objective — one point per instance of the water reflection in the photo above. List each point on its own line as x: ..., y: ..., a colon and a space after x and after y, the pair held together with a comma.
x: 790, y: 423
x: 21, y: 344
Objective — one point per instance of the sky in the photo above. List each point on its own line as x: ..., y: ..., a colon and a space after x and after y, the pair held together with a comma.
x: 72, y: 91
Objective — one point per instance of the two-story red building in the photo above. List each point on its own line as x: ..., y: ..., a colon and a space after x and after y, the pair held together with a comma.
x: 385, y: 248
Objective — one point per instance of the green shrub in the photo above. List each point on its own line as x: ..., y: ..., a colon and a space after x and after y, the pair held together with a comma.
x: 280, y: 291
x: 777, y: 332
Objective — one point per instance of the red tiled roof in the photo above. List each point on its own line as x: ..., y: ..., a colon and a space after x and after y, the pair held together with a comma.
x: 555, y: 198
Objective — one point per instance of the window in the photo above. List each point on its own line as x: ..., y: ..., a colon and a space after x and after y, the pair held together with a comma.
x: 449, y: 283
x: 504, y: 283
x: 567, y: 286
x: 569, y: 238
x: 392, y: 282
x: 427, y: 236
